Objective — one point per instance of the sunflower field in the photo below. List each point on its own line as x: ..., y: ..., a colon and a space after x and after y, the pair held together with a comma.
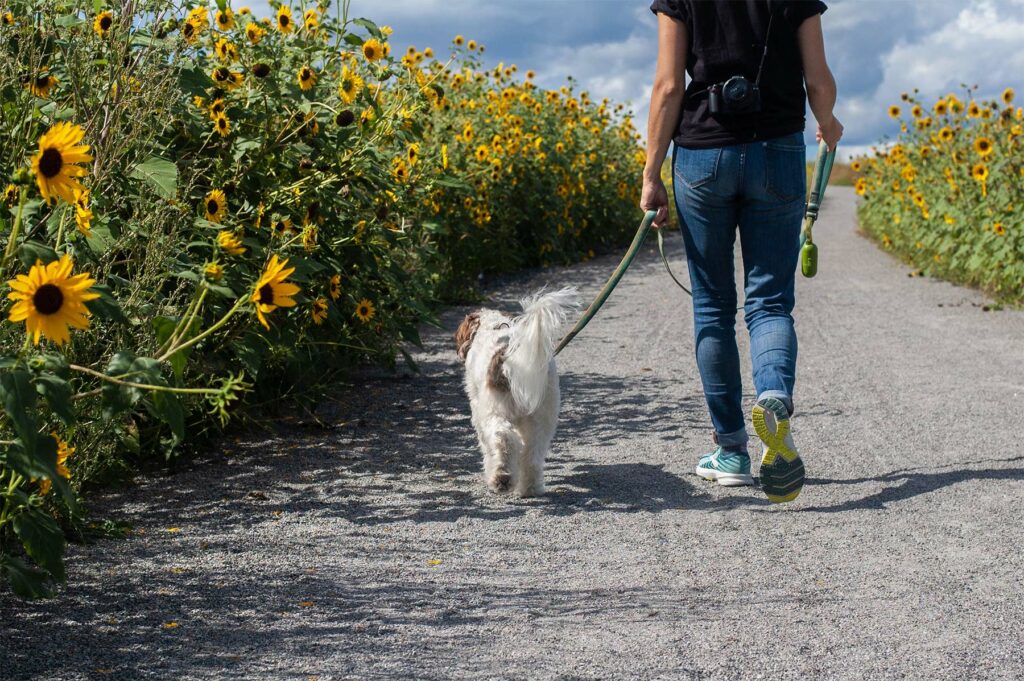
x: 204, y: 212
x: 947, y: 195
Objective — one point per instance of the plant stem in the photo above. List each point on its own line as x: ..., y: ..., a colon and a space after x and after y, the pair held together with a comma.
x: 143, y: 386
x: 12, y: 240
x: 221, y: 322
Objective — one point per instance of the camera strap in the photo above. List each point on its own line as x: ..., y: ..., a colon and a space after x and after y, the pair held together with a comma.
x: 767, y: 35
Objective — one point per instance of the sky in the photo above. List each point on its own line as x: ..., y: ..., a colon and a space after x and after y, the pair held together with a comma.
x: 876, y: 48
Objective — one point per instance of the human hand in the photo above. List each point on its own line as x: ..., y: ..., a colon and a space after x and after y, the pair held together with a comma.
x: 655, y: 197
x: 831, y: 132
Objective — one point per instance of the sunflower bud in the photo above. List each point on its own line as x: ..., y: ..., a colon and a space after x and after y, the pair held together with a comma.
x: 22, y: 176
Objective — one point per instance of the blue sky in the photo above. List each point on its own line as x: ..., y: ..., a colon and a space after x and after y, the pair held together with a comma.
x: 877, y: 48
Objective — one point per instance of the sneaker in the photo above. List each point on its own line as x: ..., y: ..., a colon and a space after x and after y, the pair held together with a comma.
x: 782, y: 470
x: 729, y: 469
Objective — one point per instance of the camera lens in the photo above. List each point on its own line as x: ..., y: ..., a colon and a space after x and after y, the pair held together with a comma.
x: 736, y: 90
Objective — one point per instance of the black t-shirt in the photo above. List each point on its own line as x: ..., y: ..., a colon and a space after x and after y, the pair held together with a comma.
x: 726, y: 38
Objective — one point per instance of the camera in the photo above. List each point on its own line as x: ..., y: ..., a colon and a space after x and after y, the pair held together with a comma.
x: 735, y: 96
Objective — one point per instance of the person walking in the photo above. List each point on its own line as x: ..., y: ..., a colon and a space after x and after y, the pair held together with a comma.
x: 739, y: 164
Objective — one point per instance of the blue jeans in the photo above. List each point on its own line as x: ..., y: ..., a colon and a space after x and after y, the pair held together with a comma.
x: 758, y: 188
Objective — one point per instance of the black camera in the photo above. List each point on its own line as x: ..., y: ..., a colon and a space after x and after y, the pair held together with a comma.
x: 735, y: 96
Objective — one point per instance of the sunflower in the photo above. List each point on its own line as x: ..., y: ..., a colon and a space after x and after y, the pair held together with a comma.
x: 307, y: 78
x: 102, y: 24
x: 226, y: 78
x: 983, y: 146
x: 973, y: 110
x: 10, y: 195
x: 200, y: 16
x: 7, y: 19
x: 49, y: 300
x: 471, y: 45
x: 311, y: 19
x: 979, y: 171
x: 225, y: 20
x: 444, y: 156
x: 481, y: 152
x: 999, y: 228
x: 334, y: 287
x: 941, y: 107
x: 458, y: 40
x: 55, y: 163
x: 373, y: 50
x: 344, y: 118
x: 41, y: 85
x: 254, y: 32
x: 226, y: 50
x: 64, y: 451
x: 309, y: 238
x: 1008, y: 95
x: 222, y: 125
x: 861, y: 186
x: 216, y: 205
x: 230, y: 242
x: 413, y: 153
x: 350, y: 86
x: 83, y: 214
x: 217, y: 108
x: 399, y: 169
x: 365, y: 310
x: 367, y: 116
x: 319, y: 311
x: 261, y: 70
x: 946, y: 134
x: 213, y: 271
x: 271, y: 291
x: 467, y: 132
x: 190, y: 31
x: 281, y: 228
x: 284, y: 19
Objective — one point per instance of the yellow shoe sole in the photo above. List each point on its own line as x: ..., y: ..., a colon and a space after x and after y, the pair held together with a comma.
x: 782, y: 470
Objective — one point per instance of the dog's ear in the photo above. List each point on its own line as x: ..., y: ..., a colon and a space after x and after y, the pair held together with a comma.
x: 465, y: 333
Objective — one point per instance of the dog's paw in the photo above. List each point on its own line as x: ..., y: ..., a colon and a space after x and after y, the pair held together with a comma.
x: 534, y: 490
x: 500, y: 483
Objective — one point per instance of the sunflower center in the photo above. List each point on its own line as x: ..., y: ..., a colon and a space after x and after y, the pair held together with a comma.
x: 106, y: 22
x: 221, y: 74
x: 284, y: 20
x: 48, y: 299
x: 211, y: 207
x: 266, y: 294
x: 51, y: 163
x: 43, y: 82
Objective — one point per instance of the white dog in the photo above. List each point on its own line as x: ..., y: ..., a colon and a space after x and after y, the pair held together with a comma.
x: 512, y: 385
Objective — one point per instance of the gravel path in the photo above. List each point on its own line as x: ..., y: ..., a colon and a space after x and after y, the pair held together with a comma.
x: 369, y: 548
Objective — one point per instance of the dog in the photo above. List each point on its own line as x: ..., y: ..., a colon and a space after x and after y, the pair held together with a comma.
x: 512, y: 384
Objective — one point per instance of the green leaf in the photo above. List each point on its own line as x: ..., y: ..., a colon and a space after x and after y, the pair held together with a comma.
x: 106, y: 306
x: 57, y: 392
x: 68, y: 20
x: 167, y: 407
x: 408, y: 358
x: 43, y: 541
x: 369, y: 26
x: 31, y: 252
x: 160, y: 173
x: 353, y: 39
x: 25, y: 581
x: 19, y: 400
x: 39, y: 460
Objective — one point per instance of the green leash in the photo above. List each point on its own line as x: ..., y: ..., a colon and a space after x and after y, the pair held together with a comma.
x: 808, y: 249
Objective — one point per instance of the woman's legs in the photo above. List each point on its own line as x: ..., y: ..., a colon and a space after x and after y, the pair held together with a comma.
x: 769, y: 224
x: 706, y: 183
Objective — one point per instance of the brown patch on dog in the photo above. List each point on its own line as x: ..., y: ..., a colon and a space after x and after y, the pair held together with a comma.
x: 465, y: 333
x: 496, y: 378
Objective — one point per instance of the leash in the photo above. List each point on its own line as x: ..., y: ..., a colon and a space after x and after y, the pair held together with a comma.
x: 819, y: 181
x: 808, y: 249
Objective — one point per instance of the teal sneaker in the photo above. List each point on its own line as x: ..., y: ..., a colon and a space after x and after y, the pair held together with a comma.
x: 782, y: 470
x: 729, y: 469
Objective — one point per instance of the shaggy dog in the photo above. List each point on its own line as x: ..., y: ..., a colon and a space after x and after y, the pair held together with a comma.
x: 512, y: 385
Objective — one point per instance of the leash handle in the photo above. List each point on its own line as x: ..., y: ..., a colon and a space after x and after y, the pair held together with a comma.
x: 609, y: 286
x: 819, y: 181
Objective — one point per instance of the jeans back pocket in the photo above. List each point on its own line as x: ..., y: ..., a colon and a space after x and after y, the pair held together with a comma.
x: 696, y: 167
x: 785, y: 169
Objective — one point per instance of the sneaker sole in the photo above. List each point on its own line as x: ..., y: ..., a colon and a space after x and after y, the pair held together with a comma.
x: 782, y: 470
x: 725, y: 479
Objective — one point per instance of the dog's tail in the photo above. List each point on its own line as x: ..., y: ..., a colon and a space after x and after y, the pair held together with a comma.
x: 532, y: 344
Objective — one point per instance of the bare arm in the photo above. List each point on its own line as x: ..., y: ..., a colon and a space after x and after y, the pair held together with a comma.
x: 821, y: 85
x: 666, y: 105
